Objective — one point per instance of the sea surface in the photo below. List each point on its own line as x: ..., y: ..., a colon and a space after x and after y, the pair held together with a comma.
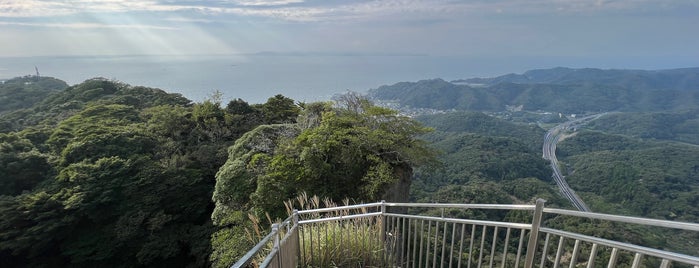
x: 256, y: 77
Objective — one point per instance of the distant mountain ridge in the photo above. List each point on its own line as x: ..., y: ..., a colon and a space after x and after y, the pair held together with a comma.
x: 558, y: 89
x: 676, y: 79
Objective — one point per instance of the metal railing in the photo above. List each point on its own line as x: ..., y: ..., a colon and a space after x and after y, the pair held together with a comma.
x: 465, y: 235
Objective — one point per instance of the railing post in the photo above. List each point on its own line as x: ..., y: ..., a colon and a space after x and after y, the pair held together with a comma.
x: 534, y: 234
x: 383, y: 221
x: 383, y: 230
x: 295, y: 224
x: 275, y: 231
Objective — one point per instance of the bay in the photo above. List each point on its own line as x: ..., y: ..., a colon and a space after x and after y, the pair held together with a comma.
x: 252, y: 77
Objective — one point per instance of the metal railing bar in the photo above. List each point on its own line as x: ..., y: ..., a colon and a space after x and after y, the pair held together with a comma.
x: 275, y: 249
x: 593, y: 255
x: 269, y: 257
x: 544, y: 251
x: 480, y: 256
x: 504, y: 252
x: 534, y: 234
x: 525, y: 226
x: 357, y: 216
x: 427, y: 248
x: 422, y: 239
x: 630, y: 247
x: 520, y: 247
x: 636, y: 260
x: 436, y: 241
x: 665, y: 263
x: 245, y: 260
x: 492, y: 248
x: 574, y: 258
x: 310, y: 234
x: 470, y: 247
x: 286, y: 238
x: 407, y: 248
x: 403, y: 241
x: 302, y: 244
x: 627, y: 219
x: 333, y: 209
x: 396, y: 248
x: 461, y: 244
x: 363, y: 231
x: 464, y: 206
x: 451, y: 247
x: 612, y: 258
x: 559, y: 252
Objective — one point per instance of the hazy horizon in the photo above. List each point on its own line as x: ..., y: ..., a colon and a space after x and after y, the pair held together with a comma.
x: 255, y: 78
x: 311, y: 48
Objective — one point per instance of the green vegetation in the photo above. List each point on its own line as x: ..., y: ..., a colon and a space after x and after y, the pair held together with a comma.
x: 350, y: 150
x: 23, y: 92
x: 484, y: 160
x: 634, y: 177
x: 673, y: 79
x: 555, y: 90
x: 638, y: 177
x: 680, y: 126
x: 105, y: 174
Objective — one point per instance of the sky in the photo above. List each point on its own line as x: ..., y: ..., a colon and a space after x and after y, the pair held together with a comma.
x: 645, y: 31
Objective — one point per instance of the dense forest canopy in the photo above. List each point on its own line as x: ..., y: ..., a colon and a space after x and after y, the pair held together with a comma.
x: 107, y: 174
x: 560, y: 90
x: 351, y: 149
x: 103, y: 173
x: 23, y: 92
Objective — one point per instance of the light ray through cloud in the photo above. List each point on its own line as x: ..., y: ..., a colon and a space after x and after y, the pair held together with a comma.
x: 433, y: 27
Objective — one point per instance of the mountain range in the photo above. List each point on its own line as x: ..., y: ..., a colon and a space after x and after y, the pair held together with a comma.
x: 558, y: 89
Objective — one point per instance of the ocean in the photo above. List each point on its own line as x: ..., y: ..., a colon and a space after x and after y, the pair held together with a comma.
x: 302, y: 77
x: 254, y: 77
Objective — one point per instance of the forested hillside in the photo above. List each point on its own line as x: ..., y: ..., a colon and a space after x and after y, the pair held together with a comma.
x: 626, y: 175
x: 485, y: 160
x: 23, y: 92
x: 105, y: 174
x: 349, y: 150
x: 674, y: 79
x: 568, y: 91
x: 680, y: 126
x: 490, y: 160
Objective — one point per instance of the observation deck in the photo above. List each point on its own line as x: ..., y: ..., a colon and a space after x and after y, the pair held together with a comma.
x: 471, y: 235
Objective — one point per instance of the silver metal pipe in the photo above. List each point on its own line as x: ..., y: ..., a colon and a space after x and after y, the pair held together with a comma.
x: 630, y: 247
x: 492, y: 248
x: 559, y: 252
x: 477, y: 222
x: 463, y: 206
x: 593, y: 255
x: 504, y: 251
x: 643, y: 221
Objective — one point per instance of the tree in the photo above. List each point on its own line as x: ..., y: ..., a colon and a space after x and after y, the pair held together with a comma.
x: 279, y: 109
x: 360, y: 153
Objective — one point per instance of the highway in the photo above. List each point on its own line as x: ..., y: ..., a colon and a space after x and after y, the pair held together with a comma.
x: 551, y: 139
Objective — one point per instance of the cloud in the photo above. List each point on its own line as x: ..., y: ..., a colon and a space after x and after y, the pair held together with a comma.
x: 267, y: 2
x: 87, y: 25
x: 319, y: 10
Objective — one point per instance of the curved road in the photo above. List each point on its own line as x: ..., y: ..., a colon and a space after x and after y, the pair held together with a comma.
x: 552, y: 137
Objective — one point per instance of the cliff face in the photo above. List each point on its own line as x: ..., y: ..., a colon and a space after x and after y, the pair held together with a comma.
x: 238, y: 178
x: 399, y: 192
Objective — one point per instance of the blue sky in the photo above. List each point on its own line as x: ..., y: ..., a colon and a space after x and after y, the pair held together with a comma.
x: 648, y: 30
